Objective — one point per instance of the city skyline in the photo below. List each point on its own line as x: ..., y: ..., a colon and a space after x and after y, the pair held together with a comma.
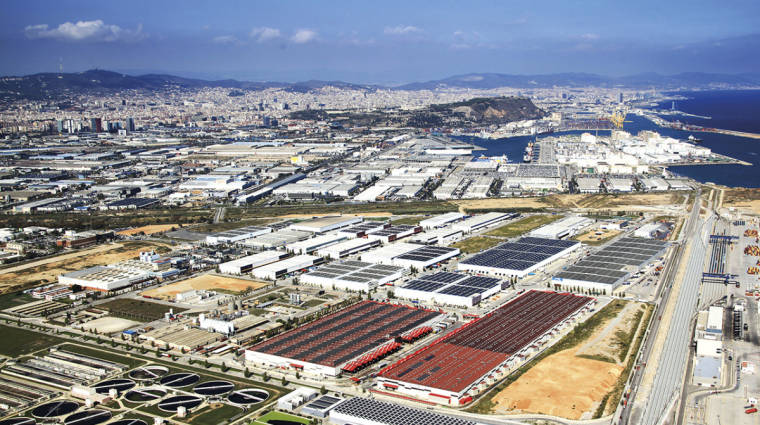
x: 393, y: 44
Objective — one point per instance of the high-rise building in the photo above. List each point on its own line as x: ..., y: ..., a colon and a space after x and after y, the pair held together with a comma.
x: 96, y: 125
x: 621, y: 97
x: 130, y: 127
x: 60, y: 126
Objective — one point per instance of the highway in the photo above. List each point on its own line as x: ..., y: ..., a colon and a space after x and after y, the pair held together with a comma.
x: 670, y: 368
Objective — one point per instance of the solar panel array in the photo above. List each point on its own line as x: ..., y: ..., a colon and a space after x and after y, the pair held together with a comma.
x: 607, y: 266
x: 366, y: 411
x: 426, y: 253
x: 356, y: 271
x: 393, y: 230
x: 451, y: 283
x: 520, y: 255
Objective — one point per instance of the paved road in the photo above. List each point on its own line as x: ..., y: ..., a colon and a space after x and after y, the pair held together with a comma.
x: 670, y: 369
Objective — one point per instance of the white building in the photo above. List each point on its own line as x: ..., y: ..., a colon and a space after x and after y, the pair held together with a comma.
x: 564, y: 228
x: 325, y: 224
x: 346, y: 248
x: 275, y: 270
x: 441, y: 220
x: 482, y: 221
x: 246, y: 264
x: 310, y: 245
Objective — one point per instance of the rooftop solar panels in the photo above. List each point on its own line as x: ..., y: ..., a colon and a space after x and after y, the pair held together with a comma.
x: 440, y: 287
x: 611, y: 264
x: 363, y: 410
x: 519, y: 256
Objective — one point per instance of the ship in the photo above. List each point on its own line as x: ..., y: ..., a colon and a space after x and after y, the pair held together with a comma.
x: 694, y: 139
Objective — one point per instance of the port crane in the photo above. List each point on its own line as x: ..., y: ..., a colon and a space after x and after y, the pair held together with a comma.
x: 618, y: 118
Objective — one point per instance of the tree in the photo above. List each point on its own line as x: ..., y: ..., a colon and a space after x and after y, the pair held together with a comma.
x: 284, y: 382
x: 265, y: 377
x: 247, y: 373
x: 323, y: 390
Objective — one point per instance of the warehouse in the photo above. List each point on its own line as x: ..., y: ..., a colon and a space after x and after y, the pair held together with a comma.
x: 325, y: 224
x: 517, y: 259
x: 386, y: 254
x: 276, y: 270
x: 105, y: 278
x: 394, y: 233
x: 440, y: 236
x: 353, y: 276
x: 236, y: 235
x: 310, y: 245
x: 365, y: 411
x: 277, y: 239
x: 467, y: 361
x: 607, y: 268
x: 246, y: 264
x: 361, y: 230
x: 483, y: 221
x: 564, y: 228
x: 441, y: 220
x: 348, y: 339
x: 425, y: 256
x: 448, y: 288
x: 346, y: 248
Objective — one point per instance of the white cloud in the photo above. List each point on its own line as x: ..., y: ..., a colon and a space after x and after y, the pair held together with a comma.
x: 225, y: 39
x: 402, y: 30
x: 84, y: 31
x: 590, y: 36
x: 303, y: 35
x: 263, y: 34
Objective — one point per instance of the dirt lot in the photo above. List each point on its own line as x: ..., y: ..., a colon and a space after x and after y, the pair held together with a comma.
x: 571, y: 383
x: 47, y: 270
x: 561, y: 385
x: 206, y: 282
x: 592, y: 238
x: 149, y: 230
x: 631, y: 201
x: 109, y: 325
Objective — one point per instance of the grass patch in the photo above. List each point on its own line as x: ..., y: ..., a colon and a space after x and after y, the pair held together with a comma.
x: 614, y: 396
x: 523, y: 225
x: 139, y: 310
x: 17, y: 342
x: 411, y: 220
x: 313, y: 303
x: 15, y: 299
x: 279, y: 416
x: 578, y: 335
x: 476, y: 244
x: 105, y: 355
x: 215, y: 415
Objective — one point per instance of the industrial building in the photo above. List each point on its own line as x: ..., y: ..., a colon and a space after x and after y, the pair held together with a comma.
x: 325, y: 224
x: 478, y: 222
x: 236, y: 235
x: 425, y: 256
x: 393, y: 233
x: 353, y: 276
x: 440, y: 236
x: 345, y: 340
x: 564, y: 228
x: 276, y: 239
x: 441, y: 220
x: 517, y: 259
x: 104, y: 278
x: 346, y: 248
x: 467, y: 361
x: 607, y: 268
x: 246, y: 264
x: 448, y: 288
x: 361, y: 230
x: 277, y: 269
x: 385, y: 254
x: 310, y: 245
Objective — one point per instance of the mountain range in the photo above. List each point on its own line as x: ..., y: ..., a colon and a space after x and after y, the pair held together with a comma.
x: 58, y: 85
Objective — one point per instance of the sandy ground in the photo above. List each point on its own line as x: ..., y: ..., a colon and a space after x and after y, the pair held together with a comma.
x: 149, y: 230
x: 501, y: 203
x: 591, y: 236
x: 18, y: 277
x: 637, y: 201
x: 750, y: 207
x: 206, y: 282
x: 109, y: 324
x: 566, y: 385
x: 561, y: 385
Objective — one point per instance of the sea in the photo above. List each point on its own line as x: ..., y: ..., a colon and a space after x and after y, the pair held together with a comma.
x: 729, y: 109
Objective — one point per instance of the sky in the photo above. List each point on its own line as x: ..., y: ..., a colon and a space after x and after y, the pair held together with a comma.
x: 383, y: 42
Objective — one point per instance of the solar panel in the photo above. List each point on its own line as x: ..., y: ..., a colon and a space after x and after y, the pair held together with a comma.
x: 480, y: 282
x: 424, y: 285
x: 462, y: 291
x: 444, y: 277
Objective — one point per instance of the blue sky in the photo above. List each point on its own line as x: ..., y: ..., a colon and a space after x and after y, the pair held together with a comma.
x: 378, y: 41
